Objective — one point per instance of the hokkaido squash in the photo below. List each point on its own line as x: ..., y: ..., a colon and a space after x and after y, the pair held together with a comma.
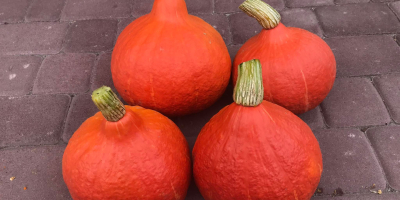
x: 126, y: 152
x: 299, y: 68
x: 170, y: 61
x: 254, y: 149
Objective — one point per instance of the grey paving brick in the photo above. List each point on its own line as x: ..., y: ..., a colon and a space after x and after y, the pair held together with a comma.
x: 243, y: 27
x: 308, y: 3
x: 365, y: 55
x: 354, y: 102
x: 301, y: 18
x: 385, y: 141
x: 233, y: 49
x: 17, y: 74
x: 32, y: 38
x: 36, y: 168
x: 32, y: 120
x: 45, y: 10
x: 65, y: 73
x: 82, y: 107
x: 12, y: 11
x: 389, y: 87
x: 313, y: 118
x: 102, y: 73
x: 396, y: 7
x: 140, y: 7
x: 351, y: 1
x: 355, y: 19
x: 383, y: 0
x: 228, y: 6
x: 349, y: 162
x: 91, y: 36
x: 384, y: 196
x: 123, y: 23
x: 96, y: 9
x: 194, y: 7
x: 220, y: 23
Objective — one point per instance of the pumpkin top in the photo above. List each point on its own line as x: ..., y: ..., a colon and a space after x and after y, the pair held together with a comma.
x: 108, y: 103
x: 266, y: 15
x: 249, y: 90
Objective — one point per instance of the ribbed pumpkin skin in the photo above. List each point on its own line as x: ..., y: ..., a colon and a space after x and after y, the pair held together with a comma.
x: 142, y: 156
x: 263, y: 152
x: 170, y: 61
x: 298, y: 67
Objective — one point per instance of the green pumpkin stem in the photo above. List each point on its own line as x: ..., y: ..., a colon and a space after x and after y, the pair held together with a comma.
x: 249, y: 90
x: 108, y: 103
x: 267, y: 16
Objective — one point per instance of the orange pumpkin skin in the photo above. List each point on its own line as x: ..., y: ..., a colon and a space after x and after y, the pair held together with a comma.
x: 142, y: 156
x: 298, y: 67
x: 170, y: 61
x: 263, y: 152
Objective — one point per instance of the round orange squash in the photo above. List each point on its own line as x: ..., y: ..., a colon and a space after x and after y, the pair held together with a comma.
x: 170, y: 61
x: 130, y: 153
x: 254, y: 149
x: 299, y: 68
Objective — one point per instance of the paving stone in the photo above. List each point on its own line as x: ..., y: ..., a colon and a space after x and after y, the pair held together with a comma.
x: 365, y: 55
x: 313, y: 118
x: 243, y: 27
x: 123, y: 23
x: 308, y: 3
x: 233, y: 49
x: 193, y: 192
x: 354, y: 102
x: 228, y: 6
x: 396, y: 7
x: 383, y: 0
x: 384, y: 196
x: 349, y: 162
x: 194, y: 7
x: 17, y: 74
x: 65, y: 73
x: 91, y: 36
x: 389, y: 88
x: 191, y: 141
x: 82, y: 107
x: 45, y: 10
x: 351, y: 1
x: 32, y: 38
x: 385, y: 141
x: 301, y: 18
x: 220, y: 23
x: 140, y: 7
x: 36, y: 168
x: 397, y: 38
x: 102, y: 73
x: 96, y: 9
x: 12, y: 11
x: 355, y: 19
x: 32, y: 120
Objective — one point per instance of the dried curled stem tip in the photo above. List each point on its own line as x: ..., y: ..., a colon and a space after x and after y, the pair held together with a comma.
x: 266, y: 15
x: 108, y: 103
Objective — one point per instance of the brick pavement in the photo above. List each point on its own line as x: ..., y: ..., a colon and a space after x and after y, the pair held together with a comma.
x: 53, y: 53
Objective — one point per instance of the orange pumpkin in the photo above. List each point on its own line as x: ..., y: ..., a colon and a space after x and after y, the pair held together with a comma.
x: 254, y: 149
x: 299, y: 68
x: 130, y: 153
x: 170, y: 61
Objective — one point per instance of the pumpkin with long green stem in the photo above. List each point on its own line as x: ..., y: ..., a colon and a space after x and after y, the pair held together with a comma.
x: 126, y: 152
x: 299, y: 68
x: 254, y: 149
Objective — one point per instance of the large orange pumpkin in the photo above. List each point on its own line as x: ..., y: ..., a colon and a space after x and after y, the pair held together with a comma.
x: 170, y: 61
x: 130, y: 153
x: 254, y: 149
x: 299, y: 68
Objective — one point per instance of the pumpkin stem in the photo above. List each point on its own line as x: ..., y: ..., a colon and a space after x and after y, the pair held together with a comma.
x: 266, y: 15
x: 108, y: 103
x: 249, y: 89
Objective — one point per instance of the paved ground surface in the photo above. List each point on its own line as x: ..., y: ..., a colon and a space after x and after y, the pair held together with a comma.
x: 53, y: 53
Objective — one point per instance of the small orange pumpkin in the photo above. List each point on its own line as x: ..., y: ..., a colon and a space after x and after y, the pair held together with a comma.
x: 130, y: 153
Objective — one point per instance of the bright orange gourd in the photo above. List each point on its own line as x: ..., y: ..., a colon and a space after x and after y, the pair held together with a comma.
x: 170, y: 61
x: 130, y: 153
x: 299, y: 68
x: 254, y: 149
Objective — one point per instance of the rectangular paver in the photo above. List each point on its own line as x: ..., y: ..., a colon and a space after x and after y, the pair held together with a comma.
x: 32, y: 120
x: 372, y: 196
x: 12, y: 11
x: 102, y: 73
x: 365, y: 55
x: 65, y: 73
x: 356, y: 19
x: 228, y: 6
x: 32, y: 38
x: 313, y: 118
x: 45, y: 10
x: 220, y: 23
x: 243, y: 27
x: 301, y: 18
x: 351, y: 1
x: 233, y: 49
x: 36, y: 168
x: 389, y: 87
x: 396, y: 7
x: 17, y: 74
x: 354, y: 102
x: 123, y: 23
x: 196, y: 6
x: 308, y: 3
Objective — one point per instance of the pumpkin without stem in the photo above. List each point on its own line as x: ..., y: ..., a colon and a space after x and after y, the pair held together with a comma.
x: 299, y: 68
x: 130, y: 153
x: 170, y: 61
x: 254, y: 149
